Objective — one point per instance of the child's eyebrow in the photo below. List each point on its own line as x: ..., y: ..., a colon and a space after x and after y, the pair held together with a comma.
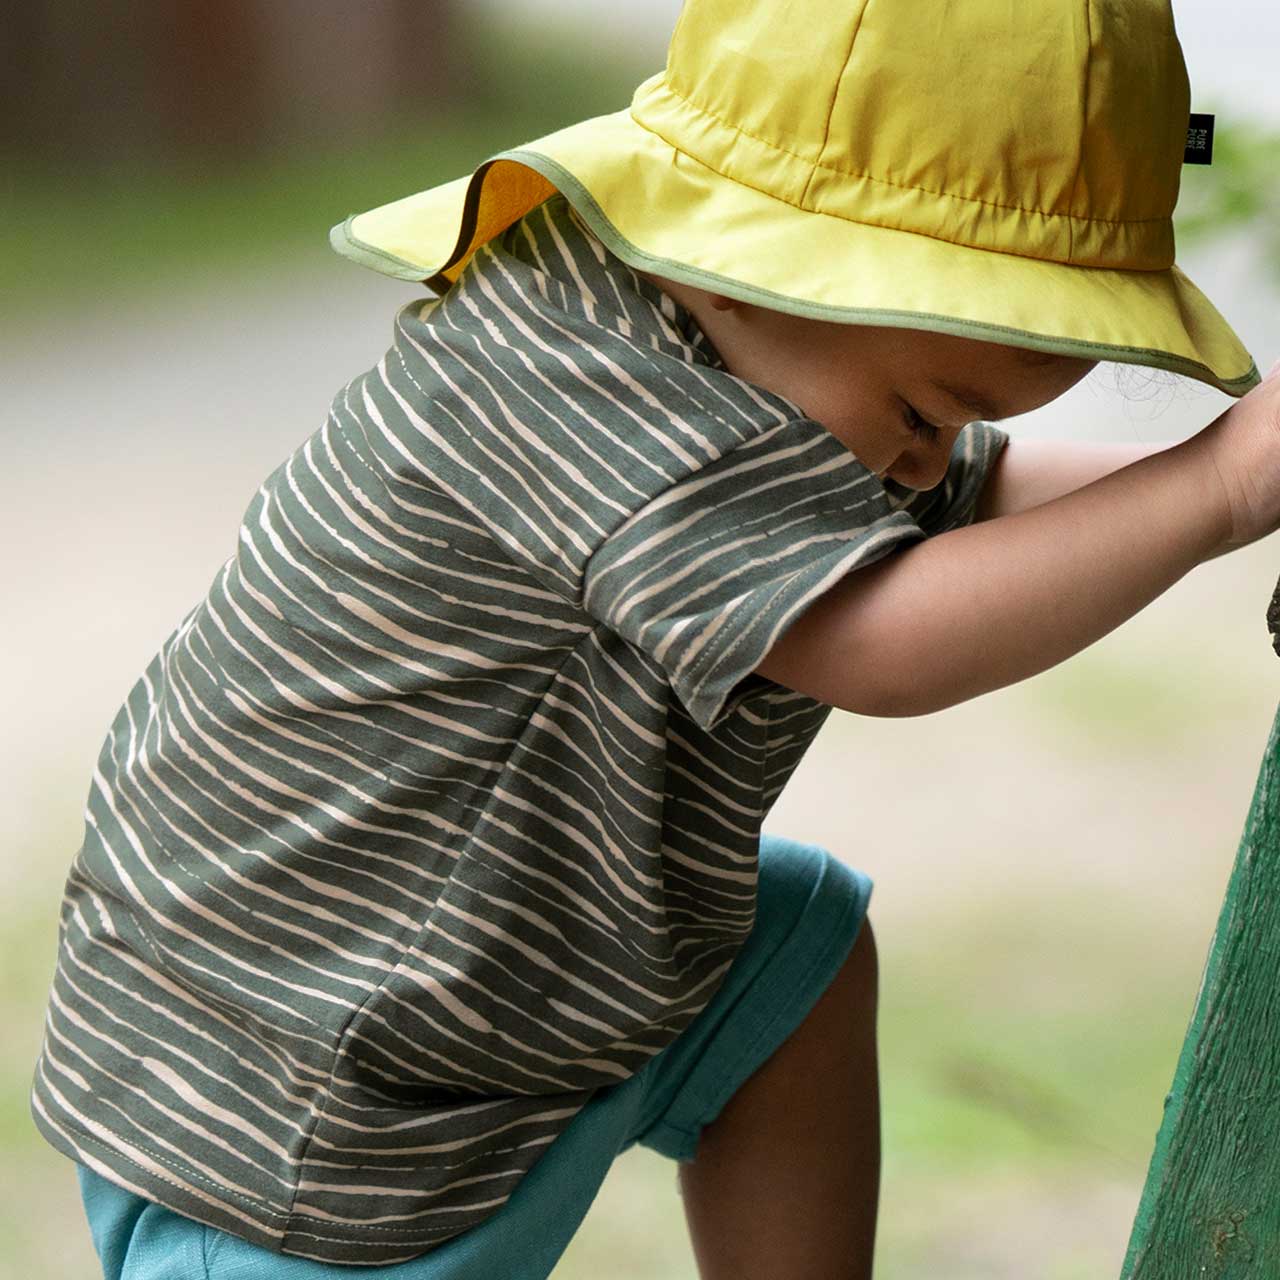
x: 972, y: 402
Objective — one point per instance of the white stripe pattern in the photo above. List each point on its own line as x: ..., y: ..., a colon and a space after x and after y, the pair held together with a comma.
x: 441, y: 811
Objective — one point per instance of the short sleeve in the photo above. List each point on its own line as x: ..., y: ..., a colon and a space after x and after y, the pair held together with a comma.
x: 706, y: 575
x: 952, y: 503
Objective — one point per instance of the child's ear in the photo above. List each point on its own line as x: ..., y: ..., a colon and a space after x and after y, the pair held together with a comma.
x: 720, y: 303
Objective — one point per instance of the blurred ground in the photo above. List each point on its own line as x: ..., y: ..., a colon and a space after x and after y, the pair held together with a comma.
x: 1049, y: 860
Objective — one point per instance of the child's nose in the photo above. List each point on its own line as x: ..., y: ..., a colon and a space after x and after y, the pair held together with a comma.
x: 924, y: 468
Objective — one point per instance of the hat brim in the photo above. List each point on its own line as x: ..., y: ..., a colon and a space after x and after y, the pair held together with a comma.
x: 660, y: 210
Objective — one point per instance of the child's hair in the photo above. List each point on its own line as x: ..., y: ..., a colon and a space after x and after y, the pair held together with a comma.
x: 1157, y: 388
x: 1137, y: 384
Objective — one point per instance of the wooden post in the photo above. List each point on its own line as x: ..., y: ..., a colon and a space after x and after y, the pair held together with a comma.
x: 1211, y: 1205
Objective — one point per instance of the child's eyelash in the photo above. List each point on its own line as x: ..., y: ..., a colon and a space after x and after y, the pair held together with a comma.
x: 925, y: 430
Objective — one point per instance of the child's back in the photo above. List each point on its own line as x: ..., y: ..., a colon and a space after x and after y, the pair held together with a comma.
x: 397, y: 849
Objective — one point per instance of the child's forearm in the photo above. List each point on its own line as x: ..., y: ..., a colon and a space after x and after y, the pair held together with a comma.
x: 984, y: 606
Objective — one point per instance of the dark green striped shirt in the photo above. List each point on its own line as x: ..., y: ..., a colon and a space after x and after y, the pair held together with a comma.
x: 440, y: 811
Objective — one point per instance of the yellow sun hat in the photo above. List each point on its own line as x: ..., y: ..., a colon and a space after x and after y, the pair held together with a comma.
x: 1001, y: 171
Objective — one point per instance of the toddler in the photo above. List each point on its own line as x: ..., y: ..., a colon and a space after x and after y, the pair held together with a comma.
x: 424, y: 867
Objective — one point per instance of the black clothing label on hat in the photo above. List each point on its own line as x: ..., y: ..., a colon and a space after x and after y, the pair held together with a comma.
x: 1199, y: 140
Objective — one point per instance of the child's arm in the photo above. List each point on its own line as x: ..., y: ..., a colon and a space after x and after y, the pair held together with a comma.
x: 1029, y: 472
x: 984, y: 606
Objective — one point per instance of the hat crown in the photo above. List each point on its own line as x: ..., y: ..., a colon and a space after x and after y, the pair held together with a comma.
x: 1053, y: 129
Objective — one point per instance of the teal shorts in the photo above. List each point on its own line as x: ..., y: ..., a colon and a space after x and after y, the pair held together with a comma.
x: 809, y: 910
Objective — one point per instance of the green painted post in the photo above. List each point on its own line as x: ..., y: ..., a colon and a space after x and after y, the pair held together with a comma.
x: 1210, y: 1209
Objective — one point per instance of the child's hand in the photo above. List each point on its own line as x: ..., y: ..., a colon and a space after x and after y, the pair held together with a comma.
x: 1243, y: 445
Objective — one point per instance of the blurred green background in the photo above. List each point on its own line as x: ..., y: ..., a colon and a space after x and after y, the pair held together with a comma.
x: 1049, y: 859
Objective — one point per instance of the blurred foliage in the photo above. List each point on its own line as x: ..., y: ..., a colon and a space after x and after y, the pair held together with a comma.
x: 1239, y: 193
x: 143, y: 221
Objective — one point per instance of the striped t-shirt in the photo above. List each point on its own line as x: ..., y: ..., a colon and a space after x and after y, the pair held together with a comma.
x: 440, y: 811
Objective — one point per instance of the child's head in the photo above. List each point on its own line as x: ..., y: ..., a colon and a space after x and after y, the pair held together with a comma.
x: 1002, y: 172
x: 896, y: 397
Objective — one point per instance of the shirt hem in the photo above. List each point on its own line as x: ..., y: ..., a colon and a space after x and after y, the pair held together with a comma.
x: 76, y: 1145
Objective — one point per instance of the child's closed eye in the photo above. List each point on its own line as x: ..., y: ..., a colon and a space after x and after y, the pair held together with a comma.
x: 920, y: 427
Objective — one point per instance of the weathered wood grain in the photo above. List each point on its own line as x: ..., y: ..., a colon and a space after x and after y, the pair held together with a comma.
x: 1210, y: 1209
